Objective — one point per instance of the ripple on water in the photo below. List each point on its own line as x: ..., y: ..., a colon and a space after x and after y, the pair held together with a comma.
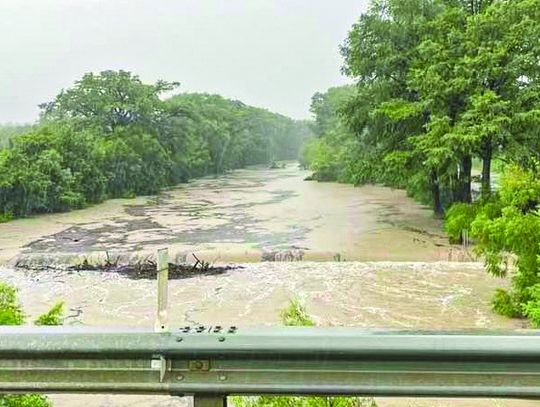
x: 388, y: 294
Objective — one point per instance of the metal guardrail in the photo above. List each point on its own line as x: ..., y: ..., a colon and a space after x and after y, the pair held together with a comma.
x: 212, y: 362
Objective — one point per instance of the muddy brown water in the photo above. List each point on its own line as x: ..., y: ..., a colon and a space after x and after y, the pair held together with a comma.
x: 237, y: 218
x: 396, y: 272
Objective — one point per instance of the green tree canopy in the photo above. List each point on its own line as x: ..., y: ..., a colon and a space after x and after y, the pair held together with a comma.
x: 110, y: 99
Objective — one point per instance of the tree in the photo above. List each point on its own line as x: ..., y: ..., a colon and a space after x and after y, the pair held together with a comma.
x: 472, y: 71
x: 225, y: 134
x: 111, y: 135
x: 108, y: 100
x: 382, y: 114
x: 507, y: 231
x: 439, y: 84
x: 9, y: 131
x: 331, y: 153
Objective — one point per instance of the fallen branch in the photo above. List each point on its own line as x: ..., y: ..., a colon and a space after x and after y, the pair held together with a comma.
x: 145, y: 269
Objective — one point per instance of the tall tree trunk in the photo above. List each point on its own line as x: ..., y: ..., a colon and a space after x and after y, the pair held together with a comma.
x: 487, y: 154
x: 466, y: 167
x: 436, y: 193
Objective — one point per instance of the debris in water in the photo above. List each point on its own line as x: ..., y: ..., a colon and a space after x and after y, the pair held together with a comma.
x: 145, y: 269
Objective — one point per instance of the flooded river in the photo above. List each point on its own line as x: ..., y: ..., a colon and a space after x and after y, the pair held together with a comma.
x: 385, y: 262
x: 239, y: 217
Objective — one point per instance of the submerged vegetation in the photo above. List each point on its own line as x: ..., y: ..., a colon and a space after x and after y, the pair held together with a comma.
x: 441, y: 85
x: 295, y: 314
x: 111, y: 135
x: 139, y: 270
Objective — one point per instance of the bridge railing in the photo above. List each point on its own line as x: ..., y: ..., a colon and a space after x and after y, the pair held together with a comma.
x: 214, y: 362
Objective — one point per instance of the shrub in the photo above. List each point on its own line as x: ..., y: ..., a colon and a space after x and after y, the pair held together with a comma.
x: 26, y: 400
x: 53, y: 317
x: 296, y: 315
x: 6, y: 217
x: 11, y: 313
x: 504, y: 304
x: 458, y: 218
x: 531, y: 309
x: 318, y: 156
x: 506, y: 231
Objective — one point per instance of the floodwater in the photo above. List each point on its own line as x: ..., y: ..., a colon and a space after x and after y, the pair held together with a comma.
x: 386, y: 262
x: 241, y: 217
x: 441, y: 296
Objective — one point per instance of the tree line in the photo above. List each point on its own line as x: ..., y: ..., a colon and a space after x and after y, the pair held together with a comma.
x: 9, y: 131
x: 111, y: 135
x: 443, y: 89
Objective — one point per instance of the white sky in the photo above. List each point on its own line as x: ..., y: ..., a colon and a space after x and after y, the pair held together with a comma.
x: 268, y: 53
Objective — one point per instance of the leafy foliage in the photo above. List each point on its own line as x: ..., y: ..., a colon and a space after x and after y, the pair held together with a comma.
x: 6, y: 217
x: 531, y: 308
x: 458, y: 218
x: 53, y: 317
x: 507, y: 232
x: 26, y: 400
x: 504, y: 304
x: 296, y: 315
x: 108, y: 100
x: 9, y: 131
x: 11, y: 313
x: 438, y: 84
x: 111, y: 135
x: 331, y: 153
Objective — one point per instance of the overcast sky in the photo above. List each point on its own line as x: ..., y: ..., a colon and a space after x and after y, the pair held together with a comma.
x: 268, y: 53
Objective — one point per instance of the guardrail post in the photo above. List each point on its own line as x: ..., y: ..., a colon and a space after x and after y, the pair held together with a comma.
x: 209, y: 401
x: 162, y: 265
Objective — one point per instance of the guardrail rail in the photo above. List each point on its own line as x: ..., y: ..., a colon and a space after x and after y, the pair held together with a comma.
x: 214, y: 362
